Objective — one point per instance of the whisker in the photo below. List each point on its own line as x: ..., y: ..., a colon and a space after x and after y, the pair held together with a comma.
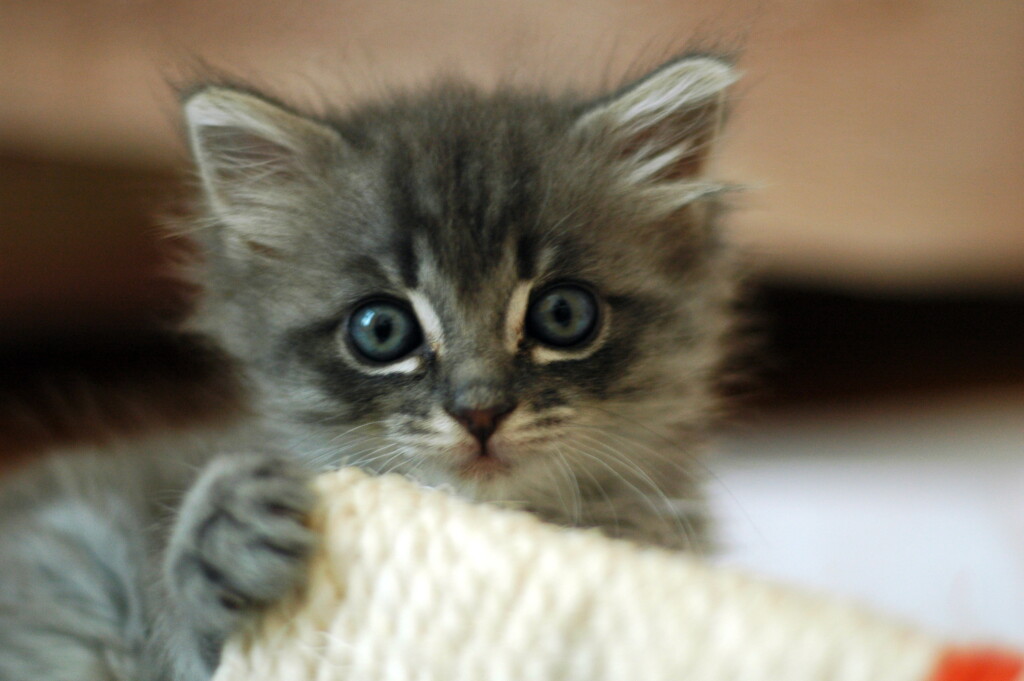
x: 393, y: 462
x: 355, y: 428
x: 683, y: 527
x: 574, y: 487
x: 601, y: 491
x: 674, y: 444
x: 680, y: 467
x: 383, y: 452
x: 706, y: 473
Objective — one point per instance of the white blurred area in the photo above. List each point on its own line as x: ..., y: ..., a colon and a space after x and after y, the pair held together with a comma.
x: 918, y: 512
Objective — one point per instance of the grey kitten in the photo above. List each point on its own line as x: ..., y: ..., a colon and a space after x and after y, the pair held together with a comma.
x: 517, y: 296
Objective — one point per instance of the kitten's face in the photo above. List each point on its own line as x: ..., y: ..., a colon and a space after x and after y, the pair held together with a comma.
x: 503, y: 293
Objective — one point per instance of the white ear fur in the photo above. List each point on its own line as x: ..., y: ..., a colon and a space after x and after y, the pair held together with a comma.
x: 254, y: 158
x: 664, y: 125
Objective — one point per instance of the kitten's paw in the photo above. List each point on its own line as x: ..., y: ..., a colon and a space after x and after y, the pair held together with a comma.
x: 241, y: 541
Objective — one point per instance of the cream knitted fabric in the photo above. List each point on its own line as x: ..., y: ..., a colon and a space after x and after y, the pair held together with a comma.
x: 415, y: 585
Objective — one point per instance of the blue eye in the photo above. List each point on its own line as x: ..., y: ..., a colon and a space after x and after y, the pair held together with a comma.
x: 562, y: 316
x: 384, y: 331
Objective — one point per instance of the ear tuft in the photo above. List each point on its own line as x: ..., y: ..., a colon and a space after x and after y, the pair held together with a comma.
x: 684, y: 84
x: 255, y: 158
x: 663, y: 126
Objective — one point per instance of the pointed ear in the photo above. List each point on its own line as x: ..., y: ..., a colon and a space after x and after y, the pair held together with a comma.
x: 256, y: 160
x: 664, y: 125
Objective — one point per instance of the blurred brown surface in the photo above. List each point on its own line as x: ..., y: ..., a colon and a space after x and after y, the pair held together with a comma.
x: 81, y: 249
x: 883, y: 139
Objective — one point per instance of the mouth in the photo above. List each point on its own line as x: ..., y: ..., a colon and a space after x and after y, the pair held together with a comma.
x: 484, y: 465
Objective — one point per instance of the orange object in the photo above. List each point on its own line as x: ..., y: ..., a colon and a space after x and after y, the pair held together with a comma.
x: 979, y: 665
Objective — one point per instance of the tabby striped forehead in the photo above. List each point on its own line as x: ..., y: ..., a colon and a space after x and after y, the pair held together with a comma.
x: 468, y: 194
x: 471, y: 265
x: 479, y: 298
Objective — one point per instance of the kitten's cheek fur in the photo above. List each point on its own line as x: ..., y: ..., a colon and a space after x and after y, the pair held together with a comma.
x: 240, y: 543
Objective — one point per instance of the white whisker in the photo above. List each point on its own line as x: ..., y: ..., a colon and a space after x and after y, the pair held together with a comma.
x: 634, y: 470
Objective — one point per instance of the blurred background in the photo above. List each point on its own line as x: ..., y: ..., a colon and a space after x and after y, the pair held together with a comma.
x: 878, y: 450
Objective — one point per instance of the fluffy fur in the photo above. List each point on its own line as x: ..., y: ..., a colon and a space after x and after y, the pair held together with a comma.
x: 464, y: 207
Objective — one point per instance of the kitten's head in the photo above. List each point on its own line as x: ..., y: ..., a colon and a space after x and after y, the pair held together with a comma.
x: 499, y: 291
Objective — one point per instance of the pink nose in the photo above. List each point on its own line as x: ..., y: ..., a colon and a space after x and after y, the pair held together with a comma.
x: 481, y: 423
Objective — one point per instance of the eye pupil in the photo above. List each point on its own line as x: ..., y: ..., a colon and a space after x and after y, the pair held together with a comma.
x: 384, y: 331
x: 382, y: 328
x: 562, y: 316
x: 562, y: 312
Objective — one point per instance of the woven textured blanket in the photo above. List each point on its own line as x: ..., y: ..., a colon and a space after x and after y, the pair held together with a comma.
x: 414, y: 584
